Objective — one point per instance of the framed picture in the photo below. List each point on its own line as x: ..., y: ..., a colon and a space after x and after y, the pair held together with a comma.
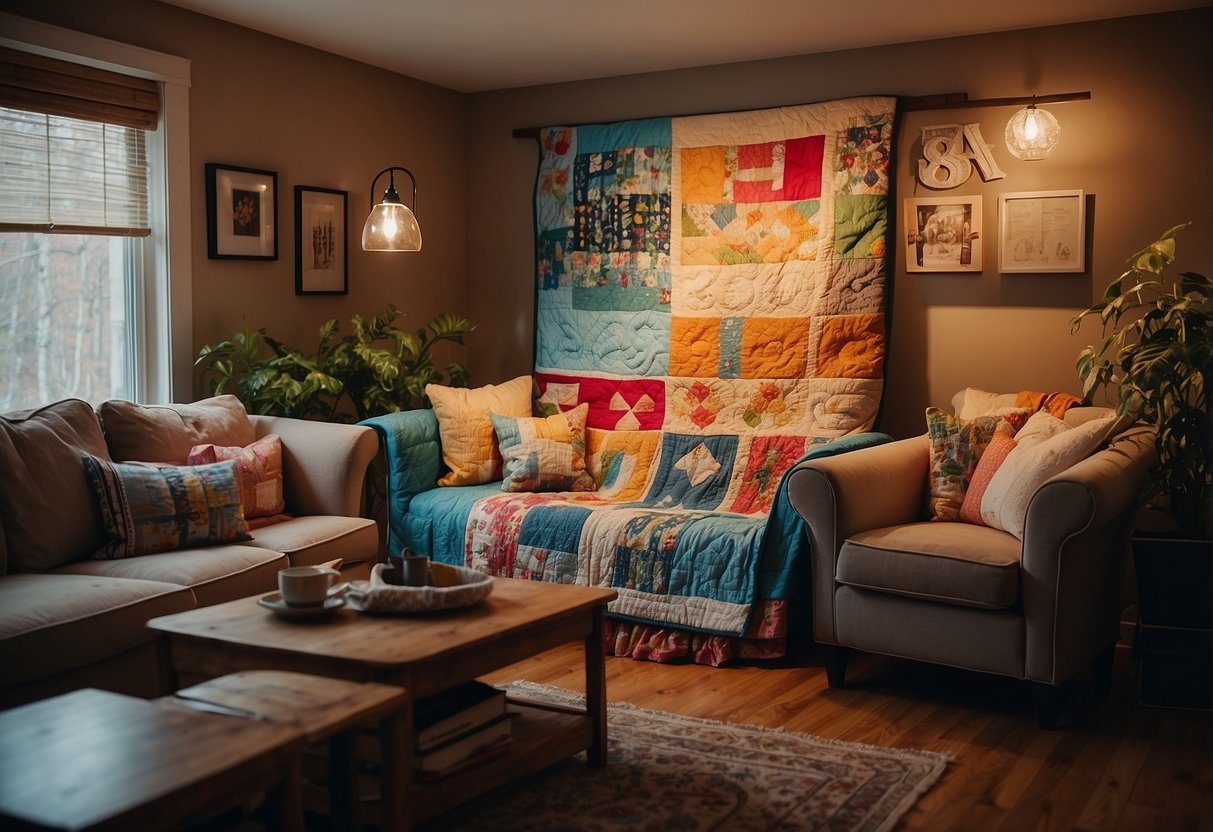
x: 943, y: 234
x: 241, y: 213
x: 1042, y: 231
x: 321, y: 259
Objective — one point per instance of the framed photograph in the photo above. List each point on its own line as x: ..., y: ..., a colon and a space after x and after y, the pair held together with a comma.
x: 241, y: 213
x: 943, y: 234
x: 1042, y: 231
x: 321, y: 259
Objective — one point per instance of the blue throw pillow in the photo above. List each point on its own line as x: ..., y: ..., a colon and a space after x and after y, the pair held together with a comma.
x: 157, y: 508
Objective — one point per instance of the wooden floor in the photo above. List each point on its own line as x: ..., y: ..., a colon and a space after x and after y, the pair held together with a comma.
x: 1114, y: 764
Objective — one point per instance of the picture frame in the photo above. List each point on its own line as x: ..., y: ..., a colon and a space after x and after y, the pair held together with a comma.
x: 321, y: 241
x: 943, y: 234
x: 1042, y: 231
x: 241, y: 213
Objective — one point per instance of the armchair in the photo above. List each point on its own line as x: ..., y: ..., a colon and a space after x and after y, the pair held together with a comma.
x: 885, y: 580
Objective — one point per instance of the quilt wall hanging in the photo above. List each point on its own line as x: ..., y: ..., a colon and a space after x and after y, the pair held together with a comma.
x: 713, y: 287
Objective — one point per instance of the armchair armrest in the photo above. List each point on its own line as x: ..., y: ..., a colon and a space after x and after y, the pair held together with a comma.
x: 413, y: 455
x: 840, y: 495
x: 323, y: 463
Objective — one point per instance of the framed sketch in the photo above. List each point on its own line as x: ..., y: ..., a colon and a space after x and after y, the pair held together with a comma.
x: 943, y: 234
x: 1042, y: 231
x: 321, y: 259
x: 241, y: 213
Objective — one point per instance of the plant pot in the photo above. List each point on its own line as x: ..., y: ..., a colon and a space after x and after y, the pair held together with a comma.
x: 1174, y: 639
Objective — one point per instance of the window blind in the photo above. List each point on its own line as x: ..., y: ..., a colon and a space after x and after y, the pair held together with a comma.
x: 61, y: 88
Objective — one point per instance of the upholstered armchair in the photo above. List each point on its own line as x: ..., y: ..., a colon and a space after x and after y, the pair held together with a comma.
x: 1045, y: 608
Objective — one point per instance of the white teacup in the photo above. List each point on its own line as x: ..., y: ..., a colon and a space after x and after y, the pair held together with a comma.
x: 309, y: 586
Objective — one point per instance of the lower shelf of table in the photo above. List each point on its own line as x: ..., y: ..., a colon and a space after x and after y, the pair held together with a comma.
x: 541, y: 736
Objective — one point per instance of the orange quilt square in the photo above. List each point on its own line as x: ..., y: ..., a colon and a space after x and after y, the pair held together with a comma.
x: 774, y: 348
x: 703, y: 175
x: 852, y: 346
x: 695, y: 347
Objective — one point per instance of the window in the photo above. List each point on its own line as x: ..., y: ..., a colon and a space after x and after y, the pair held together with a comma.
x: 94, y: 300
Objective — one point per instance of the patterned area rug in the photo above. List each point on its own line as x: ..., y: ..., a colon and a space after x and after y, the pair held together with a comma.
x: 671, y: 772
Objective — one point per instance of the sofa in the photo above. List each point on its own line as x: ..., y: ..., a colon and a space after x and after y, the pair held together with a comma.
x: 69, y: 618
x: 704, y: 578
x: 1030, y: 590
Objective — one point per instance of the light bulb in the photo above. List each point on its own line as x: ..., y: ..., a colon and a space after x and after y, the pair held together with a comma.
x: 389, y: 228
x: 1029, y: 128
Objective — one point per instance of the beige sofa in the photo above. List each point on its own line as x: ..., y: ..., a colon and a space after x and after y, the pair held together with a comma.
x: 68, y: 620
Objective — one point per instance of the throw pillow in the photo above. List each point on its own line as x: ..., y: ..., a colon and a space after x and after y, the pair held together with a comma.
x: 469, y: 446
x: 258, y: 468
x: 1005, y: 503
x: 165, y: 433
x: 147, y: 509
x: 956, y: 447
x: 545, y: 453
x: 991, y: 460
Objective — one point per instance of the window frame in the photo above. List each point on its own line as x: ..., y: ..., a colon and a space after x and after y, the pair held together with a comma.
x: 165, y: 301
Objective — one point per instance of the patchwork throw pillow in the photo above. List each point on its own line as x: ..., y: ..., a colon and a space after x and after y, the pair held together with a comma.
x: 469, y: 446
x: 147, y: 509
x: 1034, y: 460
x: 258, y: 469
x: 544, y: 453
x: 956, y: 448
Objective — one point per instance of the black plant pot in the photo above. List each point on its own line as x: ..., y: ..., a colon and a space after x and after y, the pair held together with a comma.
x: 1174, y: 639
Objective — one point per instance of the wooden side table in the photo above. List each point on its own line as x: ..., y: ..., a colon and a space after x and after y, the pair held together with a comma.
x: 323, y: 709
x: 93, y: 759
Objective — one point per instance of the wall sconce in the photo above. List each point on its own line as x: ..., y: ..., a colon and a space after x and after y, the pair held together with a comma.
x: 1032, y: 133
x: 392, y: 225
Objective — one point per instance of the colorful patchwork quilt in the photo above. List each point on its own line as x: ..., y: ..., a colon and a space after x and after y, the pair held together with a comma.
x: 713, y: 287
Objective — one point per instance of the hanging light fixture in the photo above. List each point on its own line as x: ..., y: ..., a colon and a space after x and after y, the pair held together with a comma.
x: 1032, y: 133
x: 392, y: 225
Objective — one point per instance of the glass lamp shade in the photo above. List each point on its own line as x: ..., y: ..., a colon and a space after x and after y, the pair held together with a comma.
x: 1032, y: 133
x: 391, y: 227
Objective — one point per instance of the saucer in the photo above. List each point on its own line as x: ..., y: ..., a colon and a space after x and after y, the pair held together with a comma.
x: 274, y: 603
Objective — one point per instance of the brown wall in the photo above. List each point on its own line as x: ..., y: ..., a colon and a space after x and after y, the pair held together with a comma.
x: 317, y: 119
x: 1136, y: 148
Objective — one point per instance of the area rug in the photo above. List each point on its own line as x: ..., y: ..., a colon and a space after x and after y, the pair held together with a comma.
x: 670, y: 772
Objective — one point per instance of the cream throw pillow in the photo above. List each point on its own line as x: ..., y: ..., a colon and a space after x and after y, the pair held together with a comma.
x: 469, y: 447
x: 1045, y: 447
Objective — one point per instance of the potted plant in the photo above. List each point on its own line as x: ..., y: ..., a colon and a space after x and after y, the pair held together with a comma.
x: 1157, y: 352
x: 377, y: 368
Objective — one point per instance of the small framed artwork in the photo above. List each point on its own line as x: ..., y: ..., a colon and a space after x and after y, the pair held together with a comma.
x: 943, y: 234
x: 241, y: 213
x: 321, y: 259
x: 1042, y: 231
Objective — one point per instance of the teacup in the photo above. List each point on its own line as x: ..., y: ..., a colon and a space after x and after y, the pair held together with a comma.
x: 309, y: 586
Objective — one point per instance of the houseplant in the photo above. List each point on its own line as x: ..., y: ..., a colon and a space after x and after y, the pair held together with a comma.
x: 377, y: 368
x: 1157, y: 352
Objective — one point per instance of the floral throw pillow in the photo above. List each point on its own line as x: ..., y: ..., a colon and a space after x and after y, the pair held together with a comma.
x: 157, y: 508
x: 544, y: 453
x: 956, y: 447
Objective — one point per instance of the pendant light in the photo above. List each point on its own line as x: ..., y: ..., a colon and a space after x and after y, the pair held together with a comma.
x: 392, y: 225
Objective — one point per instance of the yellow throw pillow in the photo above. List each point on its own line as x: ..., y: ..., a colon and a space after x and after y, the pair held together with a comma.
x: 469, y: 446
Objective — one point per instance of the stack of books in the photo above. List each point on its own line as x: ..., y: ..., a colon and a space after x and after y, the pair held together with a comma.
x: 459, y: 728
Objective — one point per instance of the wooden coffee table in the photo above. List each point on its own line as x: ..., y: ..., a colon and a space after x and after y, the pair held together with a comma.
x: 425, y: 655
x: 93, y: 759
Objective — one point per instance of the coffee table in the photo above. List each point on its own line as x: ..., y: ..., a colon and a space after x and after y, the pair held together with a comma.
x: 424, y: 655
x: 94, y: 759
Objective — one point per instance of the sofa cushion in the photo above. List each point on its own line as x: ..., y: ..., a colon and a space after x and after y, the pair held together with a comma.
x: 258, y: 469
x: 317, y: 538
x: 165, y: 433
x: 148, y: 508
x: 469, y: 447
x: 215, y: 573
x: 543, y: 453
x: 955, y: 563
x: 56, y: 622
x: 47, y: 511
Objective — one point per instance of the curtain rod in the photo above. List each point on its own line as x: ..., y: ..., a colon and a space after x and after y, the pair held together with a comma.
x: 939, y: 101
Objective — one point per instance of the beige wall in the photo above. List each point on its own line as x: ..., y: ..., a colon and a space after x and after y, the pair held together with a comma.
x: 1137, y: 148
x: 317, y: 119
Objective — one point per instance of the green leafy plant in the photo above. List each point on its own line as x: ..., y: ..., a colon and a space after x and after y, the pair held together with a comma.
x: 1157, y: 351
x: 375, y: 369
